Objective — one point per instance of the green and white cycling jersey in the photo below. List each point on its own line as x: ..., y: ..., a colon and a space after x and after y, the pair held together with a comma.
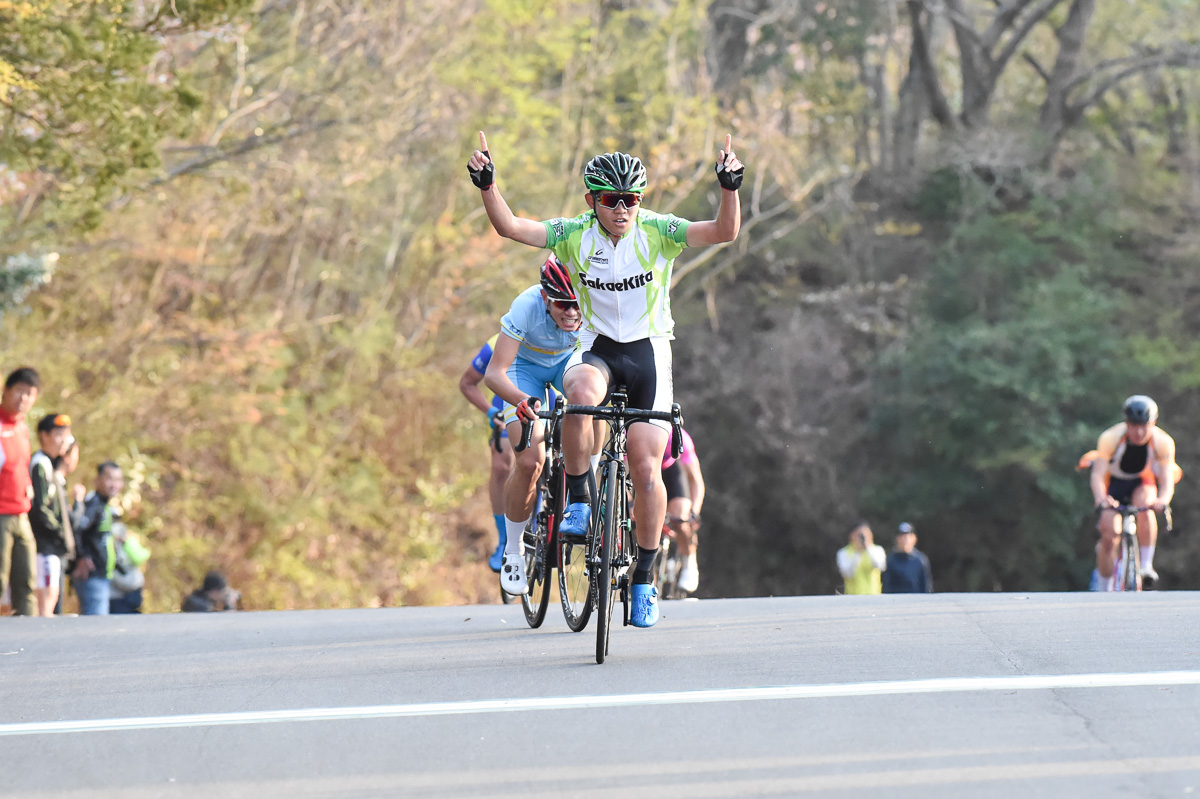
x: 624, y: 289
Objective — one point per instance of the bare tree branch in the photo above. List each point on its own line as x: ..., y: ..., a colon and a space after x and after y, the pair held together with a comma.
x: 939, y: 107
x: 1038, y: 68
x: 1181, y: 57
x: 1019, y: 35
x: 1002, y: 22
x: 249, y: 144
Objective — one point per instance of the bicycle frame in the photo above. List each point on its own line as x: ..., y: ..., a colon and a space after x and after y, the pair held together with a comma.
x: 1127, y: 561
x: 1127, y: 565
x: 611, y: 539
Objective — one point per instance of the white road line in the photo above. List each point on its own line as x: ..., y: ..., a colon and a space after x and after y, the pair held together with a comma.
x: 931, y: 686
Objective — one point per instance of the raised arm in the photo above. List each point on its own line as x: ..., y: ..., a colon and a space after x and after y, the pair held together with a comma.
x: 507, y: 224
x: 729, y: 216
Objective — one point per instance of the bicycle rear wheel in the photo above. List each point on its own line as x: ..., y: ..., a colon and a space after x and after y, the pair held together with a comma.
x: 574, y: 581
x: 605, y: 572
x: 537, y: 567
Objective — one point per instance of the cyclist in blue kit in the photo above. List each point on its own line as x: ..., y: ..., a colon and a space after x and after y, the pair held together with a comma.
x: 620, y: 257
x: 537, y: 337
x: 501, y: 454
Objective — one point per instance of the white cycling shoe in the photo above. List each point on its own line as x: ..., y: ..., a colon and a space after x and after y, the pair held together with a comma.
x: 512, y: 575
x: 1148, y: 573
x: 689, y: 575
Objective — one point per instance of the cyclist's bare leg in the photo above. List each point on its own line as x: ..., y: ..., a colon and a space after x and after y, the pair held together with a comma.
x: 1144, y: 496
x: 502, y: 463
x: 1106, y: 554
x: 645, y: 445
x: 584, y: 385
x: 521, y: 486
x: 681, y: 508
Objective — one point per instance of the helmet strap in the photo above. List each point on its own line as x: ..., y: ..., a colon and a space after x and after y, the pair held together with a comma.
x: 607, y: 232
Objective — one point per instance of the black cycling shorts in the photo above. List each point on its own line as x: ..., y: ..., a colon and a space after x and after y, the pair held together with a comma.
x: 1121, y: 488
x: 676, y: 482
x: 642, y: 366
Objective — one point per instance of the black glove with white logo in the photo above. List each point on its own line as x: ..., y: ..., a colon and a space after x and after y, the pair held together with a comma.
x: 485, y: 177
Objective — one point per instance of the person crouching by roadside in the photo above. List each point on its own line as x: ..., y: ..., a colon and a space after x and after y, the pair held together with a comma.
x: 49, y: 514
x: 128, y: 579
x: 213, y: 595
x: 93, y: 528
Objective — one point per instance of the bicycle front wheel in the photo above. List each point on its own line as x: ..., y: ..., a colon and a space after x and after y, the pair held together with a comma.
x: 605, y: 572
x: 537, y: 567
x: 1129, y: 576
x: 574, y: 582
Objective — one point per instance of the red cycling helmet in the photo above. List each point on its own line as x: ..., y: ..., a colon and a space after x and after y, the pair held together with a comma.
x: 555, y: 280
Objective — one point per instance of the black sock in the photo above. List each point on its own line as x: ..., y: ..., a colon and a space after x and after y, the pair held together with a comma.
x: 579, y: 487
x: 643, y: 573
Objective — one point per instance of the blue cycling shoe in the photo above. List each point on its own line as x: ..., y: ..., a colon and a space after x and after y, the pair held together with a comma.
x: 574, y: 526
x: 497, y: 558
x: 644, y: 612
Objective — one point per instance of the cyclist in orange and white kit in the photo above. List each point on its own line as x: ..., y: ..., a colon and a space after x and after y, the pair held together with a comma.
x: 1133, y: 464
x: 685, y: 498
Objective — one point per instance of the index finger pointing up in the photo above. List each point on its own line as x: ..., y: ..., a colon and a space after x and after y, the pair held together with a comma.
x: 482, y: 142
x: 728, y: 142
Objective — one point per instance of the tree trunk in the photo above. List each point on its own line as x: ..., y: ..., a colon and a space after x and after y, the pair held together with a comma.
x: 912, y: 103
x: 1057, y: 114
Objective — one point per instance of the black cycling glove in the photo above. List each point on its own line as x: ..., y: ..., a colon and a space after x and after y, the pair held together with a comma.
x: 482, y: 178
x: 728, y: 179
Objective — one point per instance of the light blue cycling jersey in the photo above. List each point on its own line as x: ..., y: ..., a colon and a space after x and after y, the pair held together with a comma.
x: 543, y: 343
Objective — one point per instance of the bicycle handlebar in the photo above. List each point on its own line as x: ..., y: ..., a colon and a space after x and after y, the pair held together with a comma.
x: 675, y: 417
x: 609, y: 413
x: 1131, y: 509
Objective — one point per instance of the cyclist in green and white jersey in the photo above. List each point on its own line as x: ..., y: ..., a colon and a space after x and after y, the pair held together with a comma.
x: 620, y: 258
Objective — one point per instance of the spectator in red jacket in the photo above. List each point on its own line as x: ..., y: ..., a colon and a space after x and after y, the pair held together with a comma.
x: 18, y: 550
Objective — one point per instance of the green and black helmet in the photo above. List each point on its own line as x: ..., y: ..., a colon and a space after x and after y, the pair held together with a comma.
x: 615, y: 172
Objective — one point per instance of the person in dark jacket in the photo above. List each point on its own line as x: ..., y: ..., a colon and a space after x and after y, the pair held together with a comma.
x: 908, y: 569
x: 49, y: 512
x: 215, y: 594
x: 93, y: 528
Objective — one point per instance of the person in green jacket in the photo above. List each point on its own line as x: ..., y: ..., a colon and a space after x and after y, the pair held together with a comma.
x: 862, y: 562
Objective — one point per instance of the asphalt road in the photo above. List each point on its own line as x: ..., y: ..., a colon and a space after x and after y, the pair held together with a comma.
x: 948, y: 695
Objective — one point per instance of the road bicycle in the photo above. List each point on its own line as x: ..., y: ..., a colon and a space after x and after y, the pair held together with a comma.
x: 543, y: 552
x: 1128, y: 560
x: 669, y: 562
x: 610, y: 547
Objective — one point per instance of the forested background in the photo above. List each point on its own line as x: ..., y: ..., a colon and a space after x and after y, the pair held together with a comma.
x: 239, y: 242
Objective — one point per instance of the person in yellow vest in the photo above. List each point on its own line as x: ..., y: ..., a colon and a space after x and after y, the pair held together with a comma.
x: 862, y: 562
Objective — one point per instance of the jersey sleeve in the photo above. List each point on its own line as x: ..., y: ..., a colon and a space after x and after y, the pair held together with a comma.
x: 558, y: 230
x: 688, y: 454
x: 1107, y: 444
x: 673, y: 230
x: 1164, y: 446
x: 482, y: 358
x: 516, y: 323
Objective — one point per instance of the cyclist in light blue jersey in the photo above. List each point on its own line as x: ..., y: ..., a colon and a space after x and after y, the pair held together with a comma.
x: 620, y: 258
x: 537, y: 337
